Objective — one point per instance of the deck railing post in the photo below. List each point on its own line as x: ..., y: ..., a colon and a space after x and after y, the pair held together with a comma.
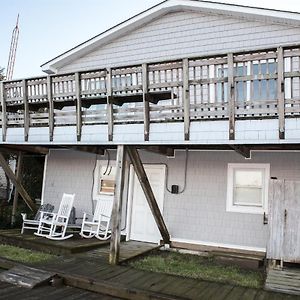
x: 186, y: 98
x: 26, y: 110
x: 3, y: 117
x: 231, y: 96
x: 117, y: 206
x: 78, y: 106
x: 110, y: 112
x: 146, y: 102
x: 280, y: 92
x: 51, y: 108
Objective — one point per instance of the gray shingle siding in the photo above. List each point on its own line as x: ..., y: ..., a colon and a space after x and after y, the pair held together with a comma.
x: 184, y: 34
x: 198, y: 214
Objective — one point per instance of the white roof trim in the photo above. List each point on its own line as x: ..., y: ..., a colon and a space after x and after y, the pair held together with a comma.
x: 267, y: 15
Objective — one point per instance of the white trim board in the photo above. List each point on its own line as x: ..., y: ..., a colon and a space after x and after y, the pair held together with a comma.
x: 44, y: 177
x: 213, y: 244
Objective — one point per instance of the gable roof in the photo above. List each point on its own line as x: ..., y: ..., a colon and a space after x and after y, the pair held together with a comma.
x: 168, y: 6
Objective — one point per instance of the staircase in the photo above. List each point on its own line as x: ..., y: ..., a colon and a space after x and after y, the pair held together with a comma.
x: 285, y: 280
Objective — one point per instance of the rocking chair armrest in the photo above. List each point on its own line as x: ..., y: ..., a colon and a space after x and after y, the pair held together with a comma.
x: 85, y: 215
x: 24, y: 215
x: 47, y: 215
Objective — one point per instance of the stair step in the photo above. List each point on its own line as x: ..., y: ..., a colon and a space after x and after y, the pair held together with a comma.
x: 286, y: 280
x: 26, y: 276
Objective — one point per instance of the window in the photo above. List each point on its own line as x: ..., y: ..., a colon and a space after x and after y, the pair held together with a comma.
x: 104, y: 180
x: 246, y: 89
x: 247, y: 188
x: 264, y: 89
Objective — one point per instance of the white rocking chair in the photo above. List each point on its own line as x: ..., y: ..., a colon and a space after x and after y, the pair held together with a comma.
x: 32, y: 224
x: 99, y: 225
x: 54, y: 225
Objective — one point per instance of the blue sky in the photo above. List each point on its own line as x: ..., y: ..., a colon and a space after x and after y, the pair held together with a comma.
x: 50, y: 27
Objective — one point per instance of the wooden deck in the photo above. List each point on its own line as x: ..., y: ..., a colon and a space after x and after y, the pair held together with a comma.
x: 91, y: 248
x: 128, y: 250
x: 75, y: 244
x: 260, y: 84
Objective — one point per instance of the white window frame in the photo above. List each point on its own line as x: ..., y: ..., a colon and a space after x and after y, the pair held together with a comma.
x: 251, y: 209
x: 97, y: 195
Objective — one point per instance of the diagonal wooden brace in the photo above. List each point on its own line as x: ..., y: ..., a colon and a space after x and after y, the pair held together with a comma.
x: 19, y: 187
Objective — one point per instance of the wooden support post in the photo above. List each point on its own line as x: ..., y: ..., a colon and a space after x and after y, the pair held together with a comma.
x: 3, y: 105
x: 19, y: 187
x: 51, y: 108
x: 186, y: 98
x: 280, y: 92
x: 117, y: 207
x: 231, y: 96
x: 146, y: 102
x: 110, y: 111
x: 26, y: 110
x: 16, y: 195
x: 143, y: 179
x: 78, y: 106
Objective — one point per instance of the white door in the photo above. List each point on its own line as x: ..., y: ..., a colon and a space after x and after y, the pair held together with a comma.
x: 143, y: 227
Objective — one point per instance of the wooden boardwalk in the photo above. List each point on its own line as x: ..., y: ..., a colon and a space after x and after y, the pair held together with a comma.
x: 90, y: 271
x: 11, y: 292
x: 95, y: 274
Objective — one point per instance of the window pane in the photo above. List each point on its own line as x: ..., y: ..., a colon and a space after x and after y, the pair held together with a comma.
x: 272, y: 68
x: 107, y: 186
x: 247, y: 196
x: 263, y: 69
x: 263, y: 90
x: 248, y: 178
x: 239, y: 71
x: 272, y: 89
x: 255, y: 69
x: 240, y: 92
x: 256, y: 95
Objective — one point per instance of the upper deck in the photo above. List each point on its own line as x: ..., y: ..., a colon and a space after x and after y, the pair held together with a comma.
x: 242, y: 98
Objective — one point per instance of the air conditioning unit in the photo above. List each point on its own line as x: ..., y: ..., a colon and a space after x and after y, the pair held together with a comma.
x: 106, y: 184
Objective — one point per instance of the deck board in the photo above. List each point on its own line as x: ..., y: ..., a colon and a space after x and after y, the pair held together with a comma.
x: 11, y: 292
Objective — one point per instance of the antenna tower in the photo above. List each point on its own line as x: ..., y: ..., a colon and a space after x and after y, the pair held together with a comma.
x: 12, y: 51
